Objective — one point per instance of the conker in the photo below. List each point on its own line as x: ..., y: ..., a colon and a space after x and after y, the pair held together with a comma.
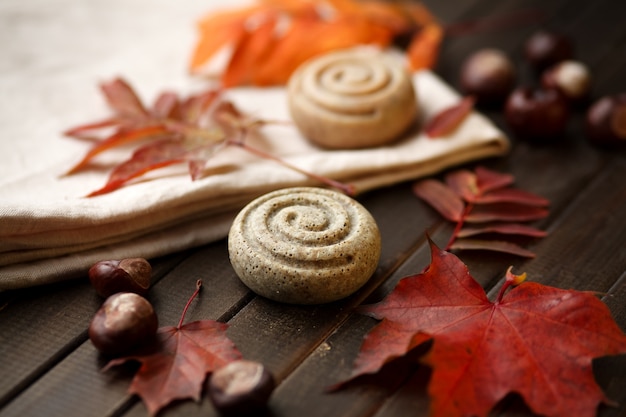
x: 488, y: 75
x: 124, y: 321
x: 126, y: 275
x: 241, y: 387
x: 570, y: 78
x: 546, y: 48
x: 606, y: 121
x: 536, y: 113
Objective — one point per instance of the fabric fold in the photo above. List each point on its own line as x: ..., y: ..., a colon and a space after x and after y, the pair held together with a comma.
x: 168, y: 213
x: 50, y: 231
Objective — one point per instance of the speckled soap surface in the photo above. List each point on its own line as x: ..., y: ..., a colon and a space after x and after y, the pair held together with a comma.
x: 304, y: 245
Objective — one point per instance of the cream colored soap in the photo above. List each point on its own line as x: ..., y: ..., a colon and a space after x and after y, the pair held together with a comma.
x: 350, y: 99
x: 304, y: 245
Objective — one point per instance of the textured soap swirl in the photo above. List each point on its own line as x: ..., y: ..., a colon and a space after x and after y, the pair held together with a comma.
x: 304, y: 245
x: 352, y: 99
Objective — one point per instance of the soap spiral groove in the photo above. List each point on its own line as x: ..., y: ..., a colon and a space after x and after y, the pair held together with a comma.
x: 304, y: 245
x: 352, y: 99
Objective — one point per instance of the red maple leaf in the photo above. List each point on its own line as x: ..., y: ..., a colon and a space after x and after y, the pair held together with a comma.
x: 176, y: 366
x: 485, y: 199
x: 535, y: 340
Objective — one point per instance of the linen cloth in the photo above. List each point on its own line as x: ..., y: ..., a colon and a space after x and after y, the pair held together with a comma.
x: 55, y: 53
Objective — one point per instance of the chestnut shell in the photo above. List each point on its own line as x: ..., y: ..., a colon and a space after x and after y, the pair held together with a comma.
x: 605, y: 122
x: 241, y: 387
x: 124, y: 321
x: 126, y: 275
x: 536, y: 113
x: 545, y: 48
x: 488, y: 75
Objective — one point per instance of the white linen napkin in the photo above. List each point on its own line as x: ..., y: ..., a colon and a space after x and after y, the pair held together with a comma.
x: 49, y: 231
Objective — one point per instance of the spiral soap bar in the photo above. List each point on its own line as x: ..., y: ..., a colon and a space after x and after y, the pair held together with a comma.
x: 304, y: 245
x: 352, y: 99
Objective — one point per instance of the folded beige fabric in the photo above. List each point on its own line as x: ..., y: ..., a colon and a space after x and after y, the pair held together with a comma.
x: 48, y: 230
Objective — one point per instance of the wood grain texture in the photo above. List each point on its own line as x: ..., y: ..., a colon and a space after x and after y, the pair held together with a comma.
x: 49, y: 367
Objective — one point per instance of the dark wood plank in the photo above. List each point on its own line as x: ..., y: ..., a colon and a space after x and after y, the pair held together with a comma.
x: 284, y: 335
x: 599, y: 269
x: 560, y: 179
x: 80, y: 371
x: 40, y: 326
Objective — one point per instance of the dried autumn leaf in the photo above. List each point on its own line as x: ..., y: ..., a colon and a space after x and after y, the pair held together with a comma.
x: 441, y: 197
x: 488, y: 180
x: 492, y: 245
x: 511, y: 195
x: 448, y: 120
x: 534, y: 340
x: 176, y: 130
x: 502, y: 228
x: 509, y: 212
x: 424, y: 48
x: 176, y: 367
x: 153, y: 156
x: 133, y: 123
x: 123, y: 99
x: 270, y: 39
x: 484, y: 196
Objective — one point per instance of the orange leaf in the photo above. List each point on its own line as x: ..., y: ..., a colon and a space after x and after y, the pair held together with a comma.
x: 389, y: 15
x: 295, y: 47
x: 345, y: 6
x: 424, y: 48
x: 304, y: 29
x: 251, y: 49
x: 218, y: 30
x: 119, y: 138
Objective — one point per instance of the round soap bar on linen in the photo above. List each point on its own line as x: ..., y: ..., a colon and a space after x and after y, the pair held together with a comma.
x: 304, y: 245
x: 352, y: 99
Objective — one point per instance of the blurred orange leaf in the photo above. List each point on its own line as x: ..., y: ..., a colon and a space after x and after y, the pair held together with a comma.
x: 271, y: 38
x: 424, y: 48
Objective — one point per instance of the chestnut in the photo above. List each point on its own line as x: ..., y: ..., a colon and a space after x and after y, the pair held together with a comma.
x: 536, y: 113
x: 123, y: 322
x: 126, y: 275
x: 605, y: 122
x: 489, y: 75
x: 570, y: 78
x: 241, y: 387
x: 546, y: 48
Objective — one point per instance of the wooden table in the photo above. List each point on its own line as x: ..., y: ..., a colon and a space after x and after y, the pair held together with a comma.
x: 48, y: 367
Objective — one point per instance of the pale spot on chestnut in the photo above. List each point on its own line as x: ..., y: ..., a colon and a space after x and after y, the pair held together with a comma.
x: 488, y: 75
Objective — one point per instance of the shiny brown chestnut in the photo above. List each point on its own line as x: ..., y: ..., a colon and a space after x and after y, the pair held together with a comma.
x: 536, y: 113
x: 126, y: 275
x: 123, y: 322
x: 489, y: 75
x: 570, y: 78
x: 605, y: 123
x: 546, y: 48
x: 241, y: 387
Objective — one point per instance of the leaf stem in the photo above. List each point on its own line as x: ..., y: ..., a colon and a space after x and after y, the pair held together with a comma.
x: 194, y: 295
x: 510, y: 279
x: 459, y: 225
x: 347, y: 189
